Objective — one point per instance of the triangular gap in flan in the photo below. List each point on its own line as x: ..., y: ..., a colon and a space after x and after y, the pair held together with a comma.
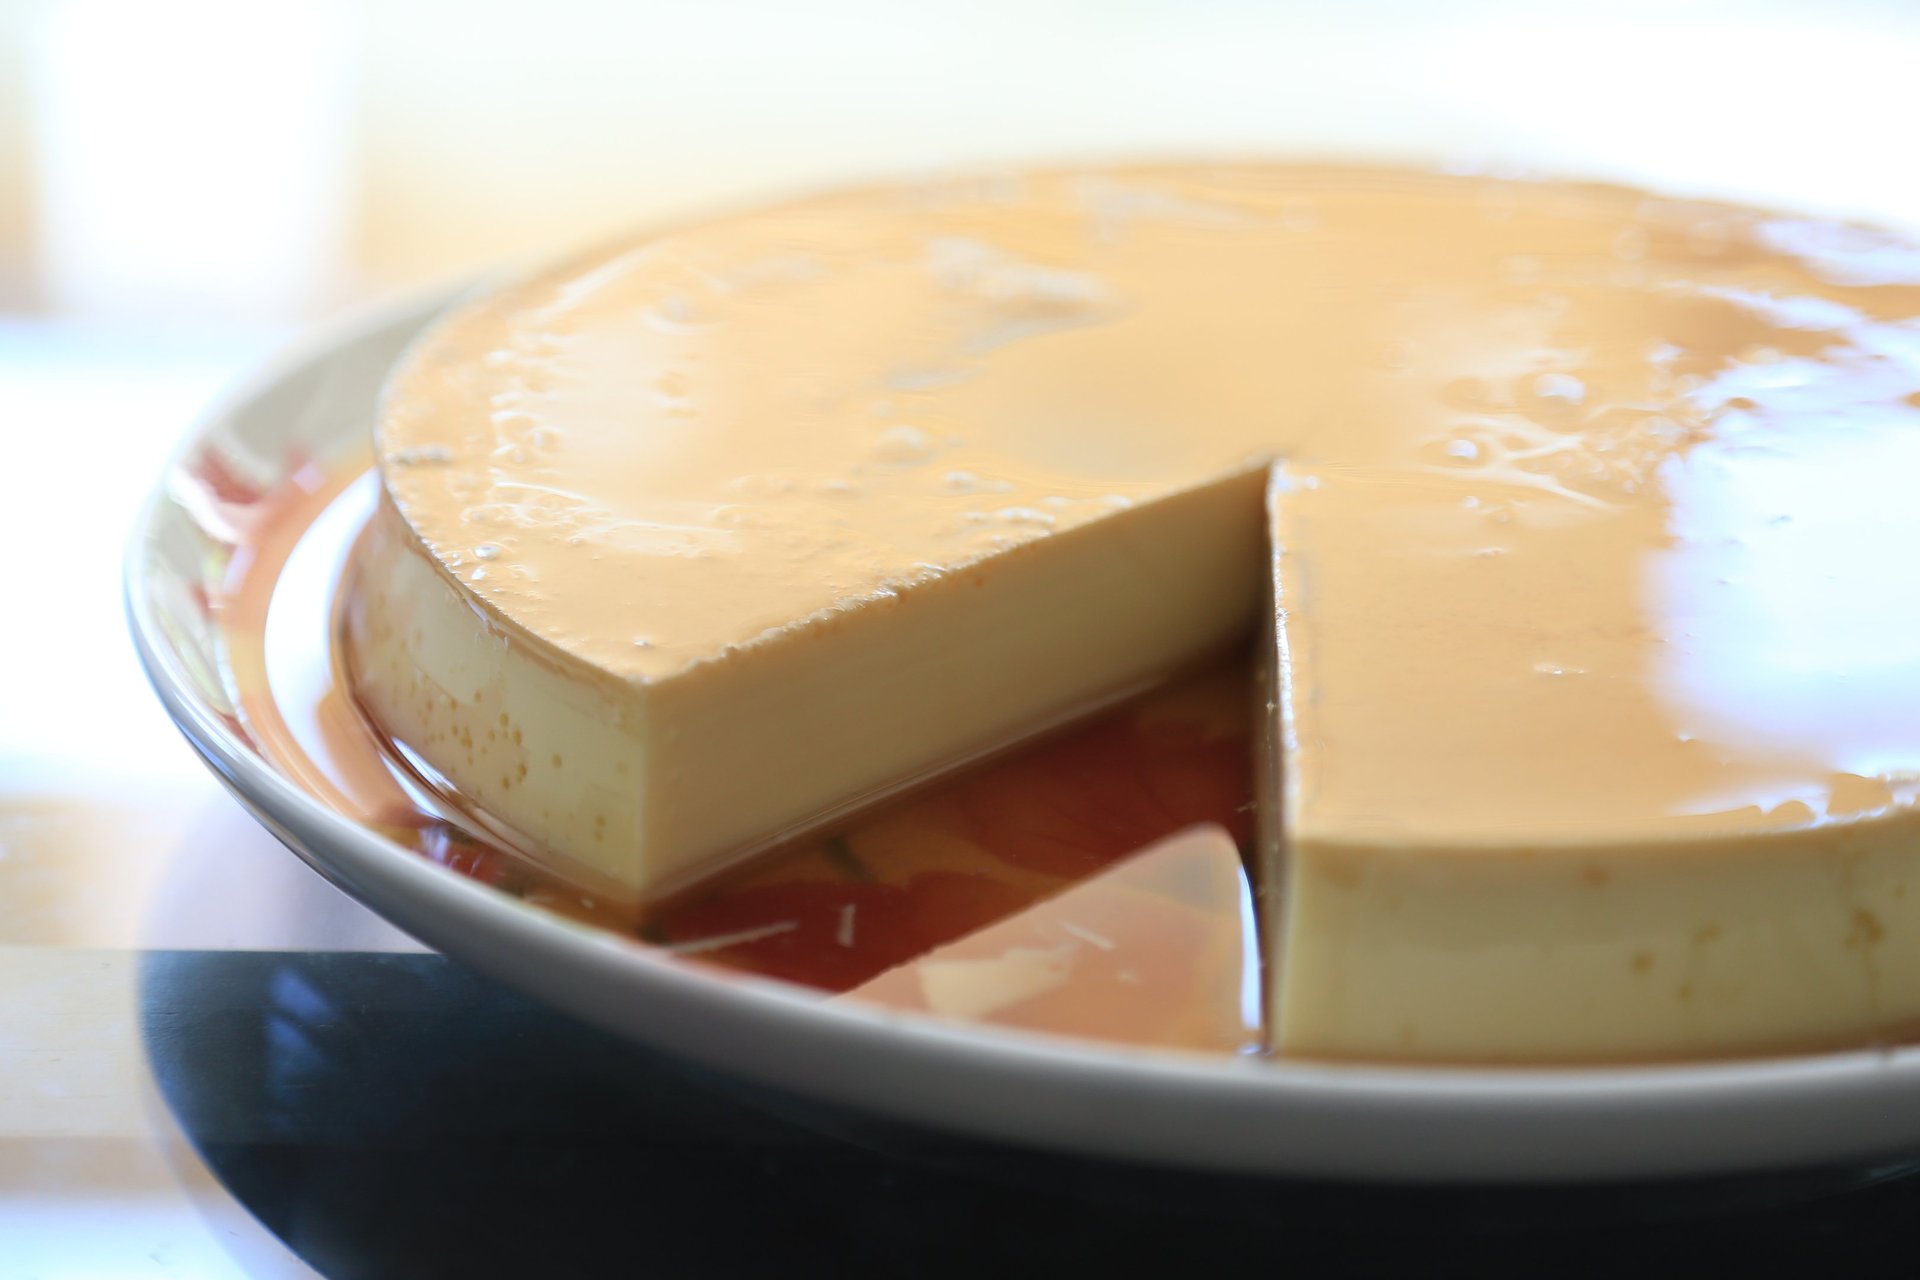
x: 1158, y: 949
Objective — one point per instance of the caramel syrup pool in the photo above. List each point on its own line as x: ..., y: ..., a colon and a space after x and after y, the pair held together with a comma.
x: 1089, y: 885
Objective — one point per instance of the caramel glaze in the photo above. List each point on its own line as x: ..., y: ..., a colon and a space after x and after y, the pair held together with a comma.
x: 1600, y: 501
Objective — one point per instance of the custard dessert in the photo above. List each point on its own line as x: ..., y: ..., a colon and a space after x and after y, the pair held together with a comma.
x: 1574, y: 524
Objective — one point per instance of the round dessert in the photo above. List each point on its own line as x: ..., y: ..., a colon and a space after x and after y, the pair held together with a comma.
x: 1576, y: 525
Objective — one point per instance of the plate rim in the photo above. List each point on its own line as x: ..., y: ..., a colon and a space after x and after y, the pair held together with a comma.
x: 1362, y: 1122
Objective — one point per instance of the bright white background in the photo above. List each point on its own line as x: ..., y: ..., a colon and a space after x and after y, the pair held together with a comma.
x: 273, y: 158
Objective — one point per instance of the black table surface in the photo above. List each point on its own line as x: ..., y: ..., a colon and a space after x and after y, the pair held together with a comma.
x: 392, y: 1114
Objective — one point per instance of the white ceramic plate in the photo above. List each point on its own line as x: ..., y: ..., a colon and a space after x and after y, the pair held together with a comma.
x: 1167, y: 1108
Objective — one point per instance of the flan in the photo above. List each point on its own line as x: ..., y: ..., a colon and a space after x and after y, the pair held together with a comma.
x: 1575, y: 524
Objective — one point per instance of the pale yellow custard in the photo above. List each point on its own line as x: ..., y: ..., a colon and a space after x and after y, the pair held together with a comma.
x: 1599, y: 672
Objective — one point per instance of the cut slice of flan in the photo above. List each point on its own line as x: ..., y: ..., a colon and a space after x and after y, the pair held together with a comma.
x: 1592, y: 554
x: 1564, y: 781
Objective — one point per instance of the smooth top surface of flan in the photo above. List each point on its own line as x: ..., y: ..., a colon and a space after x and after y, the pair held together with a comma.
x: 1651, y: 461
